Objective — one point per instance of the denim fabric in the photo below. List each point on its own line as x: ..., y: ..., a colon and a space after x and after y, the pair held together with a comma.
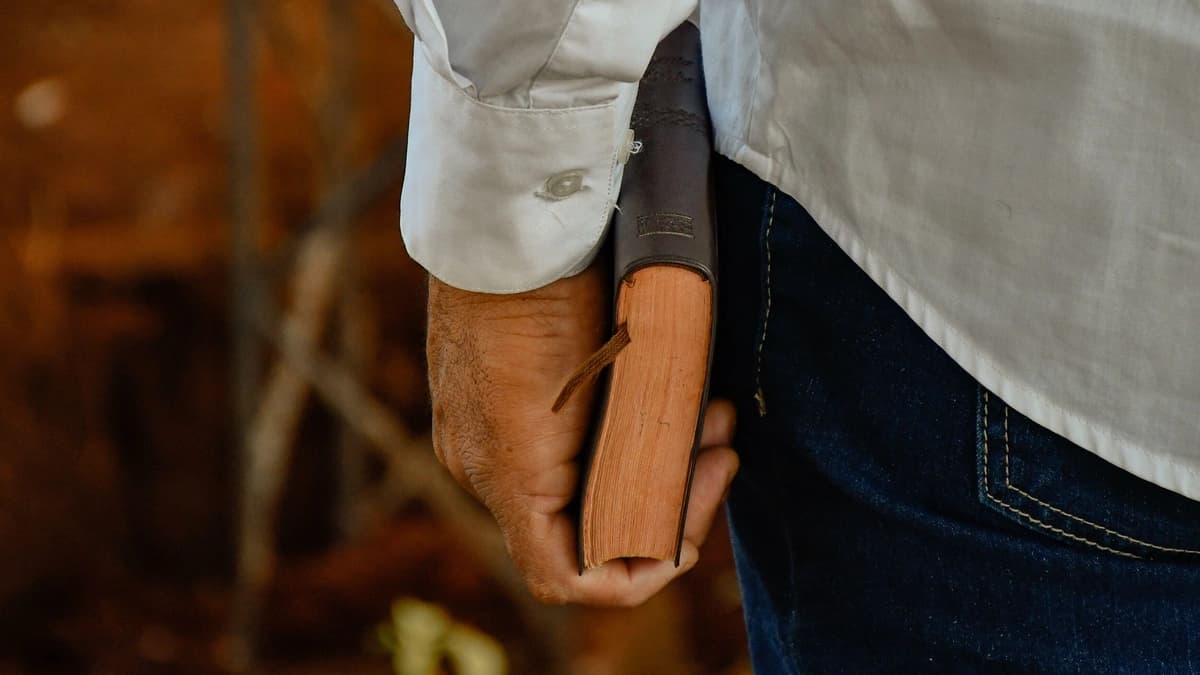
x: 892, y: 516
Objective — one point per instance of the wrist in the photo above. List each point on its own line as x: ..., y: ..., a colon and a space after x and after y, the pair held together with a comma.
x: 579, y: 301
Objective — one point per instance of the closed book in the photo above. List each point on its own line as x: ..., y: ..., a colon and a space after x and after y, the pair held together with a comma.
x: 637, y: 474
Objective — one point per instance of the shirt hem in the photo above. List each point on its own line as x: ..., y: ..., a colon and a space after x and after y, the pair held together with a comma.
x: 1096, y: 437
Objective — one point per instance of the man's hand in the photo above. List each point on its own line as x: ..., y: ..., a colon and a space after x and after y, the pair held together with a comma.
x: 496, y: 364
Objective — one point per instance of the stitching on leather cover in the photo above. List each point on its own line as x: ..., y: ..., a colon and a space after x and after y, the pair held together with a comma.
x: 645, y: 118
x: 669, y: 69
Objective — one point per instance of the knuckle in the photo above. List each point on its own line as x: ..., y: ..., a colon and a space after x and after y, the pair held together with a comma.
x: 458, y: 473
x: 469, y: 468
x: 452, y: 462
x: 473, y: 471
x: 439, y: 450
x: 442, y: 451
x: 512, y: 518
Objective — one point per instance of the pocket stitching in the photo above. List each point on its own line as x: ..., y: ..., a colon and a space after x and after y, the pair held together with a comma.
x: 1027, y: 516
x: 1008, y: 483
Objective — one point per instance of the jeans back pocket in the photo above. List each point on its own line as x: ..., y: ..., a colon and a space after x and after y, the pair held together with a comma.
x: 1044, y: 482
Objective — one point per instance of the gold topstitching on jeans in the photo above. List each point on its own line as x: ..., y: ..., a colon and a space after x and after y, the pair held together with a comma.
x: 1009, y: 484
x: 987, y: 491
x: 759, y: 397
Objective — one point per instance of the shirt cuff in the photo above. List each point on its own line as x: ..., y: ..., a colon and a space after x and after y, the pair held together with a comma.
x: 503, y: 200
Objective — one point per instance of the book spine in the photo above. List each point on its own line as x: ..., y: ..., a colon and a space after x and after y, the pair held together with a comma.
x: 666, y: 211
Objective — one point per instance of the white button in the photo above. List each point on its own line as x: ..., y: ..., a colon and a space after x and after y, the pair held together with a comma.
x: 563, y: 185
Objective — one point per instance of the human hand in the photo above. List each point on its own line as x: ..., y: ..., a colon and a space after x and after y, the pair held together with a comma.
x: 496, y: 364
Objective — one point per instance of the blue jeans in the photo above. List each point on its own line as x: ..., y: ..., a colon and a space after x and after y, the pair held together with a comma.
x: 892, y: 516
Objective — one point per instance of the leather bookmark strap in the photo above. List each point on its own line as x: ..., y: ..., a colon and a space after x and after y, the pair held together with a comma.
x: 593, y: 366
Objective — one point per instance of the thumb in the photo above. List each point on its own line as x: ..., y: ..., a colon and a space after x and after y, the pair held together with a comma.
x: 715, y: 469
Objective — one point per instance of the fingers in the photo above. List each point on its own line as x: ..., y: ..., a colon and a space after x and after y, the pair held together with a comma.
x: 542, y: 541
x: 716, y: 465
x: 719, y: 422
x: 715, y: 469
x: 544, y: 546
x: 544, y: 550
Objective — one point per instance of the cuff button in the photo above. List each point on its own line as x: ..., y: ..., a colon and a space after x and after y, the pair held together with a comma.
x: 563, y: 185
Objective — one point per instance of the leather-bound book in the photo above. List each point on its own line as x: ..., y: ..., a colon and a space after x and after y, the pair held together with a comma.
x: 638, y: 471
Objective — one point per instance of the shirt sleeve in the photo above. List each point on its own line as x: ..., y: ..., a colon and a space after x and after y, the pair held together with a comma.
x: 519, y: 132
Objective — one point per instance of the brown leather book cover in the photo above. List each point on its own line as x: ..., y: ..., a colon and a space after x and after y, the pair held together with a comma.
x: 638, y: 471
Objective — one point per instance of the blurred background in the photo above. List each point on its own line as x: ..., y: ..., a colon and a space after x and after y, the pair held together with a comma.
x: 213, y: 416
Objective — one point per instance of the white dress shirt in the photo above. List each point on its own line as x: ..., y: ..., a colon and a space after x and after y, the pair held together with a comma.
x: 1021, y: 176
